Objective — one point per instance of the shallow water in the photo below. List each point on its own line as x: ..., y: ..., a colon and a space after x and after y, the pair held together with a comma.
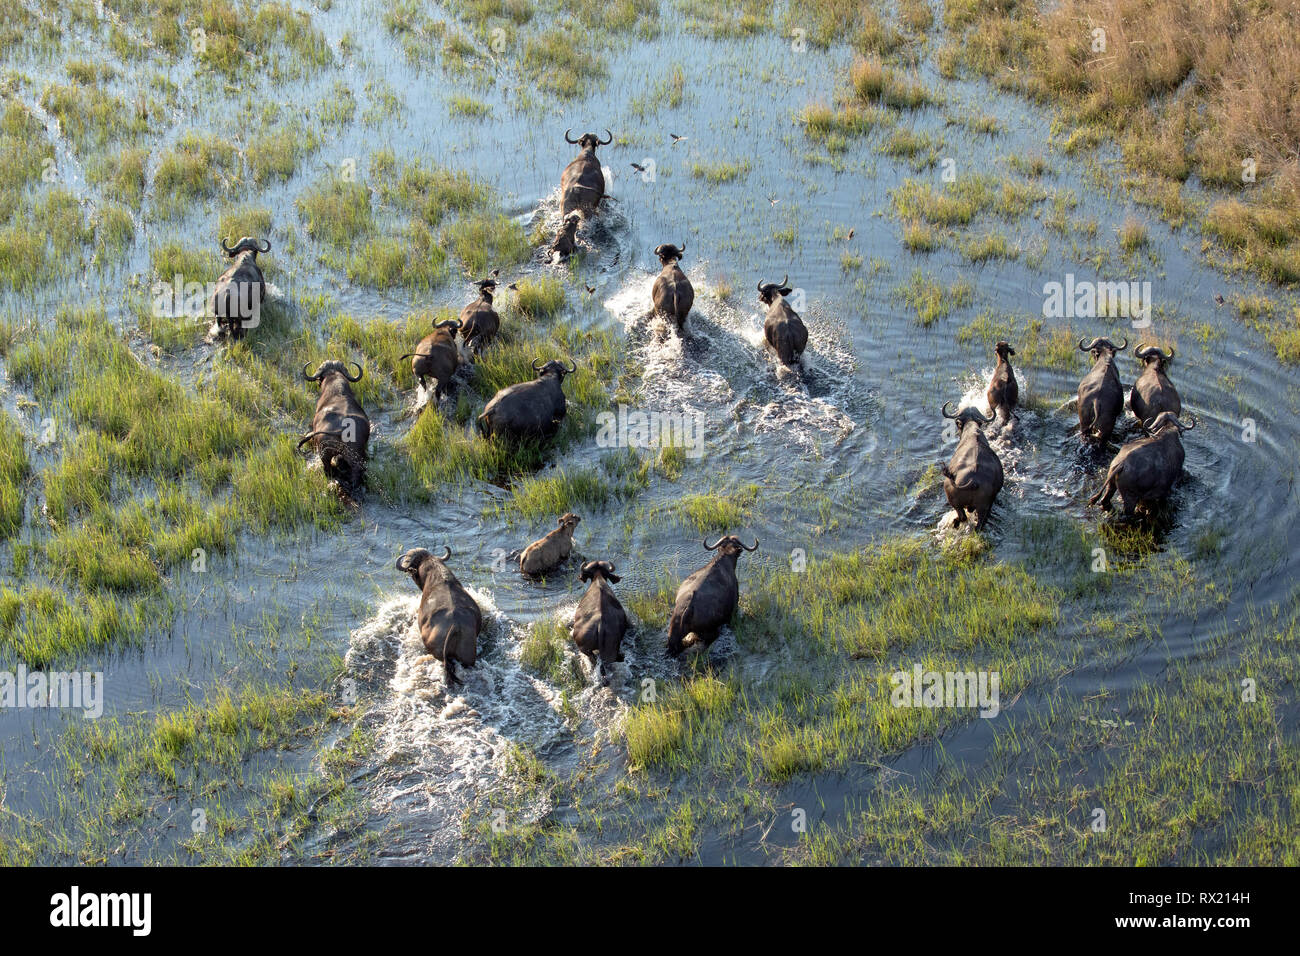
x: 848, y: 434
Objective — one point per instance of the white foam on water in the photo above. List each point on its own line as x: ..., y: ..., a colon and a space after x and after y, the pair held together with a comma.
x: 438, y: 747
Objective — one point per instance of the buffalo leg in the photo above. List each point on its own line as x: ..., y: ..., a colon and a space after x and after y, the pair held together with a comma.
x: 960, y: 519
x: 981, y: 517
x: 449, y: 670
x: 1103, y: 497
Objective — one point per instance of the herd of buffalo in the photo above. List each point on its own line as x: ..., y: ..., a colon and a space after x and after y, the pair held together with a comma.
x: 1143, y: 472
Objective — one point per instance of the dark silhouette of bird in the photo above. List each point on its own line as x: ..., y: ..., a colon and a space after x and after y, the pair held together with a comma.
x: 850, y: 233
x: 638, y: 167
x: 676, y: 139
x: 590, y: 288
x: 773, y: 200
x: 1218, y: 298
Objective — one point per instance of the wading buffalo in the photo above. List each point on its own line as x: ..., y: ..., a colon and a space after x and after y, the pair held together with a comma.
x: 566, y: 240
x: 1145, y: 469
x: 449, y: 618
x: 582, y: 185
x: 551, y: 550
x: 236, y: 301
x: 1003, y: 391
x: 972, y: 478
x: 672, y: 293
x: 479, y: 322
x: 1101, y: 397
x: 707, y: 599
x: 784, y: 330
x: 437, y: 357
x: 1153, y: 393
x: 530, y: 409
x: 600, y: 621
x: 340, y: 429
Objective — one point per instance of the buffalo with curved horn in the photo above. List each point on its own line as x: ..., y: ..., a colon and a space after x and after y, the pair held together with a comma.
x: 1145, y: 470
x: 582, y: 185
x: 973, y: 476
x: 479, y: 322
x: 529, y: 409
x: 707, y: 599
x: 673, y: 294
x: 600, y: 621
x: 783, y: 329
x: 437, y: 357
x: 449, y: 619
x: 1153, y: 393
x: 1101, y: 397
x: 340, y: 429
x: 237, y: 298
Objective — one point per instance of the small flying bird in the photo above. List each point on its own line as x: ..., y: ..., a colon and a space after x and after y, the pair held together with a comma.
x: 590, y: 288
x: 1218, y: 298
x: 677, y: 139
x: 513, y: 287
x: 850, y: 233
x: 773, y: 200
x: 638, y: 167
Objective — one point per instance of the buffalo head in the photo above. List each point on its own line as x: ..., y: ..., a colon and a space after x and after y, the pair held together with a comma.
x: 768, y: 291
x: 410, y: 562
x: 1100, y: 346
x: 599, y: 569
x: 1003, y: 350
x: 588, y: 140
x: 729, y: 544
x: 1153, y: 355
x: 667, y: 252
x: 331, y: 366
x: 489, y: 284
x: 246, y: 244
x: 1164, y: 420
x: 554, y: 368
x: 967, y: 415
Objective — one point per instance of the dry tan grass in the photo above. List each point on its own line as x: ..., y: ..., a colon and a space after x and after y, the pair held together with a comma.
x: 1191, y: 87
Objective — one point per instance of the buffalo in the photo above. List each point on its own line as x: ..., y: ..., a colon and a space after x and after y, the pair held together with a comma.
x: 784, y: 330
x: 582, y: 185
x: 972, y: 478
x: 236, y: 301
x: 529, y: 409
x: 566, y: 240
x: 551, y: 550
x: 437, y: 357
x: 1153, y: 393
x: 600, y: 621
x: 340, y: 429
x: 449, y: 619
x: 1145, y: 469
x: 707, y: 599
x: 1101, y: 397
x: 479, y: 322
x: 672, y: 293
x: 1003, y: 393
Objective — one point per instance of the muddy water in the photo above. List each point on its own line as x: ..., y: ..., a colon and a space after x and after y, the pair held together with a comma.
x: 844, y: 437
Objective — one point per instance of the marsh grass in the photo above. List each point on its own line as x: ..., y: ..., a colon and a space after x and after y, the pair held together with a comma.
x: 14, y: 469
x: 722, y: 171
x: 543, y: 651
x: 932, y: 300
x: 196, y: 168
x: 336, y: 211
